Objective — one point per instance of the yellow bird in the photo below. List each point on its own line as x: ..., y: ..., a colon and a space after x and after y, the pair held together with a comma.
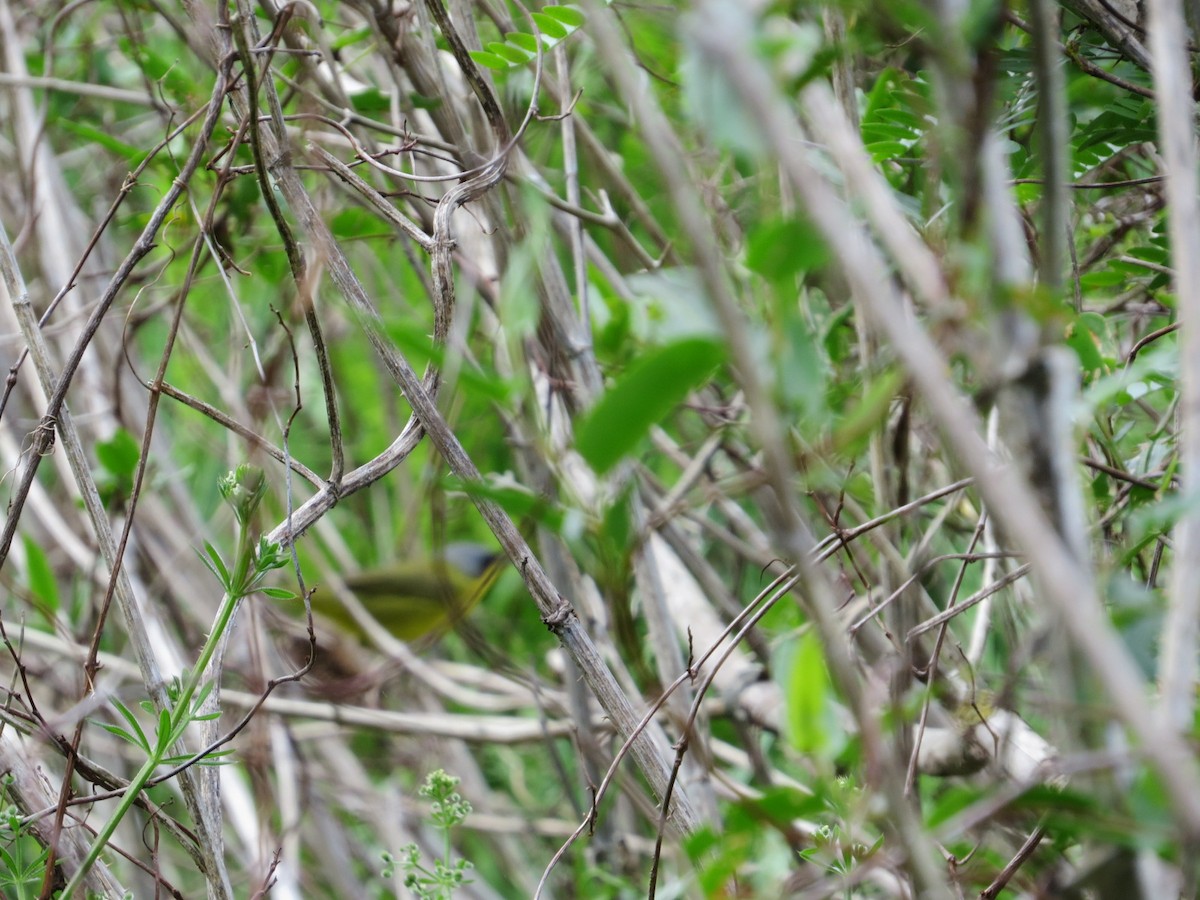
x: 420, y: 598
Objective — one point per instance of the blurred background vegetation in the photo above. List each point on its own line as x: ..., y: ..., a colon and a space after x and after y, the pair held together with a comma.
x: 723, y: 302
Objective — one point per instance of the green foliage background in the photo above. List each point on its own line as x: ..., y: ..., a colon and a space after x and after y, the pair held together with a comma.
x: 674, y: 398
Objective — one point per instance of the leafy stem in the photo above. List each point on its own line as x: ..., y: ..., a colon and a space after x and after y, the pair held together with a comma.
x: 448, y: 810
x: 255, y: 558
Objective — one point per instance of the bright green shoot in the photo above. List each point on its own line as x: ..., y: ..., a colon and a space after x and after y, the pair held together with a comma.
x: 254, y: 559
x: 448, y: 810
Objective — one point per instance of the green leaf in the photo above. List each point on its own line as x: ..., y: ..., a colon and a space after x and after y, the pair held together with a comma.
x: 42, y: 583
x: 950, y: 802
x: 515, y: 499
x: 567, y: 15
x: 415, y: 340
x: 712, y: 103
x: 869, y: 413
x: 782, y: 248
x: 523, y: 41
x: 370, y: 101
x: 278, y: 593
x: 1150, y: 253
x: 491, y: 60
x: 549, y: 25
x: 666, y: 309
x: 119, y: 454
x: 131, y: 154
x: 514, y: 55
x: 1102, y: 279
x: 165, y: 733
x: 135, y: 735
x: 811, y: 723
x: 1086, y: 335
x: 118, y: 731
x: 882, y: 151
x: 420, y: 101
x: 215, y: 564
x: 653, y: 386
x: 350, y: 38
x: 799, y: 364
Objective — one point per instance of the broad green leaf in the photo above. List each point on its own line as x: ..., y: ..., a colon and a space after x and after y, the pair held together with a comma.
x: 371, y: 100
x: 119, y: 454
x: 514, y: 55
x: 1150, y: 253
x: 550, y: 26
x: 781, y: 248
x: 567, y: 15
x: 643, y: 396
x: 523, y: 41
x: 1102, y: 279
x: 1086, y: 336
x: 883, y: 131
x: 491, y: 60
x: 811, y: 711
x: 42, y: 583
x: 912, y: 123
x: 882, y: 151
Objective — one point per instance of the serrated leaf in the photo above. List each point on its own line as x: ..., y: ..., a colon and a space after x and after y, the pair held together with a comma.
x: 653, y: 386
